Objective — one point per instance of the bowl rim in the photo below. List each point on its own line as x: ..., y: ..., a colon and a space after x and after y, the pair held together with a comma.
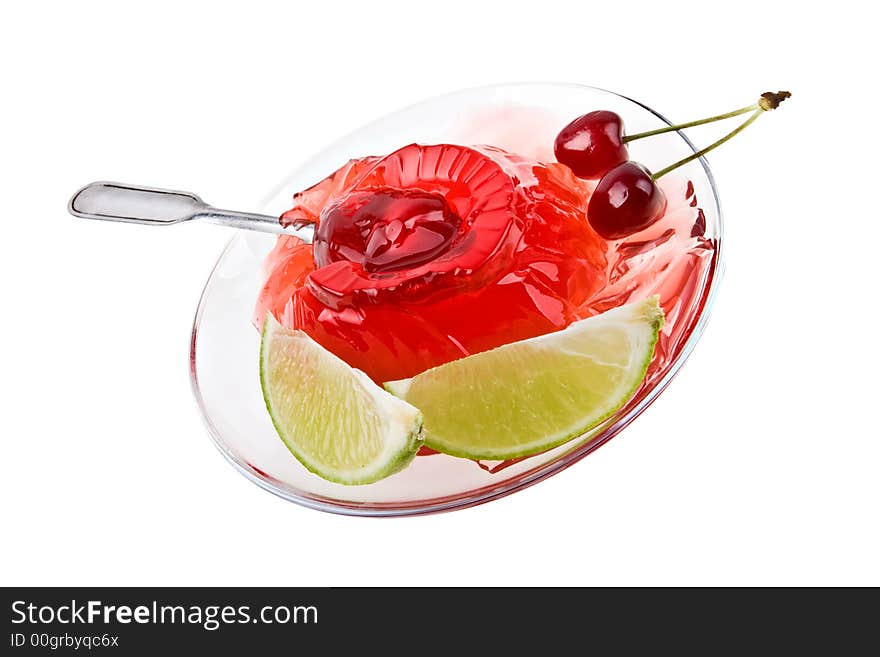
x: 490, y: 492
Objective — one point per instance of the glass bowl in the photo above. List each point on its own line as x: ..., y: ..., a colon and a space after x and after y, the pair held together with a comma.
x: 224, y: 362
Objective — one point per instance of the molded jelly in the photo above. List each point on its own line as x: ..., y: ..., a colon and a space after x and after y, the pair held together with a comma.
x: 433, y: 253
x: 436, y: 252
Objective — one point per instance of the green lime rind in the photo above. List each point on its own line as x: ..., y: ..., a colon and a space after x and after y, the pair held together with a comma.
x: 526, y: 397
x: 336, y: 422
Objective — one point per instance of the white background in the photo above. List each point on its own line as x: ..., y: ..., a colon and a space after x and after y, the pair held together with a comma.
x: 759, y: 464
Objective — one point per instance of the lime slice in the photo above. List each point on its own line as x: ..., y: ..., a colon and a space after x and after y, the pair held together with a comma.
x: 526, y: 397
x: 332, y: 417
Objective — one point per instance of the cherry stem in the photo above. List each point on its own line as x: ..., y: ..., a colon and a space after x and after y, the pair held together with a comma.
x: 690, y: 124
x: 730, y: 135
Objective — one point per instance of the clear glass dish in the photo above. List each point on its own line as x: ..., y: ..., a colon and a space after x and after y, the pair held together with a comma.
x: 224, y: 363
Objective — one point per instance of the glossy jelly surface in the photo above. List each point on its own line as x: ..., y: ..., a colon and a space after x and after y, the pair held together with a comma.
x: 433, y: 253
x: 436, y: 252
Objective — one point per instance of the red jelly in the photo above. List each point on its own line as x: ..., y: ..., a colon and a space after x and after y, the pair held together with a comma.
x: 432, y: 253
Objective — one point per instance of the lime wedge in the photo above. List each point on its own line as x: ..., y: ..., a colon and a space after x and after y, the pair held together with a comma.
x: 526, y: 397
x: 332, y: 417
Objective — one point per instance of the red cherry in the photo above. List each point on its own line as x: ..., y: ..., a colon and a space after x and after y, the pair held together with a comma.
x: 591, y: 144
x: 626, y: 201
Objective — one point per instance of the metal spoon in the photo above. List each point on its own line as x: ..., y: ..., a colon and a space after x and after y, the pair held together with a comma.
x: 111, y: 201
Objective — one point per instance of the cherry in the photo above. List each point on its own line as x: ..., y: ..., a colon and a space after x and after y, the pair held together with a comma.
x: 594, y: 143
x: 591, y: 144
x: 626, y: 201
x: 627, y: 198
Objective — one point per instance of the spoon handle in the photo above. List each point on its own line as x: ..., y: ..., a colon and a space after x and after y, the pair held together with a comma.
x: 111, y: 201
